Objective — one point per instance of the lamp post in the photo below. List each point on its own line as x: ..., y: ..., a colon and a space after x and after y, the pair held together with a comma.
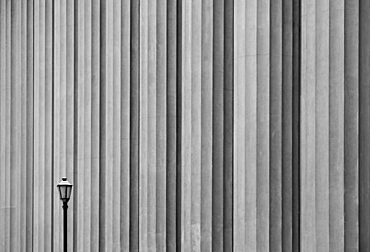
x: 65, y: 189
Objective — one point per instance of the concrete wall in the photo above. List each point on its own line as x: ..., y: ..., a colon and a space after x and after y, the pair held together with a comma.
x: 214, y: 125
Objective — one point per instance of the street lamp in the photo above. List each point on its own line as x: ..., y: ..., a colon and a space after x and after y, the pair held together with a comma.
x: 65, y: 189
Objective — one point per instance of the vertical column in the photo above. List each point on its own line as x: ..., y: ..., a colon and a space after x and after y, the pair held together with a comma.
x: 308, y: 128
x: 152, y: 151
x: 134, y: 124
x: 61, y: 109
x: 64, y: 138
x: 239, y: 161
x: 253, y: 232
x: 143, y: 124
x: 116, y: 132
x: 125, y: 126
x: 108, y: 121
x: 228, y: 124
x: 15, y: 126
x: 263, y: 123
x: 297, y: 90
x: 95, y: 124
x: 173, y: 105
x: 186, y: 118
x: 22, y: 200
x: 206, y: 124
x: 195, y: 59
x: 276, y: 123
x: 336, y: 125
x: 287, y: 126
x: 321, y: 119
x: 8, y: 126
x: 30, y: 130
x: 82, y: 151
x: 161, y: 62
x: 89, y: 134
x: 179, y: 120
x: 106, y: 137
x: 103, y: 126
x: 48, y: 125
x: 364, y: 125
x: 351, y: 129
x: 39, y: 119
x: 3, y: 80
x: 57, y: 121
x: 70, y: 109
x: 218, y: 125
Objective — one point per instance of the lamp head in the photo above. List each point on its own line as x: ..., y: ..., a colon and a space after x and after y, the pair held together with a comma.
x: 65, y: 189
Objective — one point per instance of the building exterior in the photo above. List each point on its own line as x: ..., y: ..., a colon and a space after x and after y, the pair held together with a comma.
x: 213, y: 125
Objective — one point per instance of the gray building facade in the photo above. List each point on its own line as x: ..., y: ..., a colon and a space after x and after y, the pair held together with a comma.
x: 185, y: 125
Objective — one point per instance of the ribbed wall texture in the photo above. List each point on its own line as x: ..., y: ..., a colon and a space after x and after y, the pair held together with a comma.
x: 185, y: 125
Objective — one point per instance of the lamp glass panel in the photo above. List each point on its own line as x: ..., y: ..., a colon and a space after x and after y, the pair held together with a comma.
x: 63, y: 191
x: 60, y: 192
x: 68, y: 191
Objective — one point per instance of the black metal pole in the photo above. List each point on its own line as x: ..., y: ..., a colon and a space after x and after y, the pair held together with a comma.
x: 65, y: 206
